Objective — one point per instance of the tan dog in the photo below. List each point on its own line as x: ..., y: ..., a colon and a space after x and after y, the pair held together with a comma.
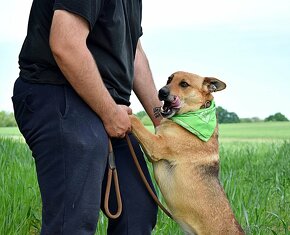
x: 186, y: 167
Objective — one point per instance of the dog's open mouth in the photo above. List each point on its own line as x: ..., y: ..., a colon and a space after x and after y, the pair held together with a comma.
x: 171, y: 106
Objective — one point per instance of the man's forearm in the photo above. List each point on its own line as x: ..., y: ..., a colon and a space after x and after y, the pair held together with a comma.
x: 85, y: 78
x: 78, y: 65
x: 144, y: 86
x: 68, y: 36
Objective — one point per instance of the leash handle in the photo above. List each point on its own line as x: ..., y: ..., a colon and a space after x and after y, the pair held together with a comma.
x: 151, y: 192
x: 112, y: 171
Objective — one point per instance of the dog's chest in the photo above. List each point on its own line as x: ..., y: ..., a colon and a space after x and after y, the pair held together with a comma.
x: 164, y: 173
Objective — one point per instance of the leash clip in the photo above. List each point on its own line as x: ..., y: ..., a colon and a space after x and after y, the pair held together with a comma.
x: 112, y: 163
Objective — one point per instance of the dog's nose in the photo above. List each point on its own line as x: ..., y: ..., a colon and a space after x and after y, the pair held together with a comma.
x: 163, y: 93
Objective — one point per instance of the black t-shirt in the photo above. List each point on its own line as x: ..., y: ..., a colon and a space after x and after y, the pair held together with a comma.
x: 115, y: 27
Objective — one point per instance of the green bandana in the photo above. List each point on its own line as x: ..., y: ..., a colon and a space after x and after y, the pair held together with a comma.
x: 200, y: 123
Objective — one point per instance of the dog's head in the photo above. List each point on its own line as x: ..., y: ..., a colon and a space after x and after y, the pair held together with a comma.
x: 185, y: 92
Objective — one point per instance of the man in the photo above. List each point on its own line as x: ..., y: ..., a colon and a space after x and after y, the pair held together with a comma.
x: 77, y: 66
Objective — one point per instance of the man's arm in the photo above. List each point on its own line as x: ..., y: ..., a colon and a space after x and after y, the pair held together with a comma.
x: 144, y: 86
x: 68, y: 44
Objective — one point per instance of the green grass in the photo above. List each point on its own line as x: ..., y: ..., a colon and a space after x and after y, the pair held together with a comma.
x: 255, y: 131
x: 19, y: 195
x: 256, y: 178
x: 255, y: 172
x: 9, y: 131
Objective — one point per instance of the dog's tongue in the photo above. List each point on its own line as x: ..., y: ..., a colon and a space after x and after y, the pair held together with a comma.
x: 176, y: 103
x: 170, y: 107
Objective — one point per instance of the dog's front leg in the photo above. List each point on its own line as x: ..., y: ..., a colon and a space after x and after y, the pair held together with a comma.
x: 151, y: 144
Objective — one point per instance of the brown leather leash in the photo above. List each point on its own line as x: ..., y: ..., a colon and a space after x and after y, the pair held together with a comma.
x: 113, y: 170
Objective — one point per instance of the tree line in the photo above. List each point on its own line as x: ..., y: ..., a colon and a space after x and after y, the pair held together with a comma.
x: 225, y: 116
x: 7, y: 118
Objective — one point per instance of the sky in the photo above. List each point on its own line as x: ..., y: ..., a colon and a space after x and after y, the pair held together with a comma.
x: 245, y: 43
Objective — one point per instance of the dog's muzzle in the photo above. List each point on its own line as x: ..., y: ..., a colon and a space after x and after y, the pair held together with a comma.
x: 171, y: 104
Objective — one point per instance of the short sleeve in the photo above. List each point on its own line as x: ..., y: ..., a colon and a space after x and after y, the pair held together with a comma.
x: 88, y: 9
x: 141, y: 29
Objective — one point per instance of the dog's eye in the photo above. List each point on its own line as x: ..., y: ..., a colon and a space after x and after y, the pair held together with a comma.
x: 184, y: 84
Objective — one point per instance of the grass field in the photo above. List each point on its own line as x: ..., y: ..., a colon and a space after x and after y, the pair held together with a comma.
x: 260, y: 131
x: 255, y: 172
x: 9, y: 131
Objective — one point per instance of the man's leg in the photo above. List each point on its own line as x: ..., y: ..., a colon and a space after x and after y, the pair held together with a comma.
x: 70, y: 148
x: 139, y: 209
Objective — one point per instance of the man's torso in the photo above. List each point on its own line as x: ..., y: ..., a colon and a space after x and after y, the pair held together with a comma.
x: 115, y: 27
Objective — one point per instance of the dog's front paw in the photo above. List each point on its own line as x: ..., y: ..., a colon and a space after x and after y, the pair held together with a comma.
x: 135, y: 122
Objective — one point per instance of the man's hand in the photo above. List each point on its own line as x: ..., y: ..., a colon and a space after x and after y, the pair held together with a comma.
x: 117, y: 122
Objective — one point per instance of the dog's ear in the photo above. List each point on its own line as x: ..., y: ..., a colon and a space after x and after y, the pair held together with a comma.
x: 213, y: 84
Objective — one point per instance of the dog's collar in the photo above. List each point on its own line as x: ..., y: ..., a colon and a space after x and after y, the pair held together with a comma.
x: 206, y: 104
x: 201, y: 123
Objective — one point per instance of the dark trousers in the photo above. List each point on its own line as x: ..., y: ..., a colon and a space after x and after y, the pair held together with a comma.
x: 70, y: 148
